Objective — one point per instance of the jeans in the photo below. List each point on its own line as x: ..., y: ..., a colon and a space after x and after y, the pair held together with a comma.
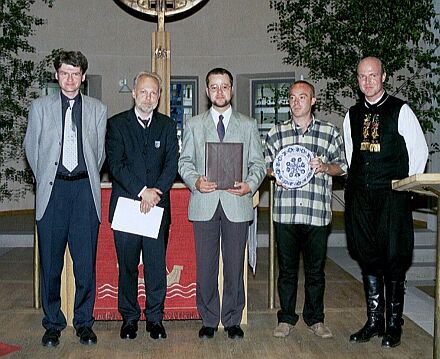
x: 292, y: 239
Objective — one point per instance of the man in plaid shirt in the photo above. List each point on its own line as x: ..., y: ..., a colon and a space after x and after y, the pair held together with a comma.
x: 302, y: 215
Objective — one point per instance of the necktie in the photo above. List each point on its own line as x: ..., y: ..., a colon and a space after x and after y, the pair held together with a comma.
x: 220, y: 128
x: 70, y: 150
x: 145, y: 122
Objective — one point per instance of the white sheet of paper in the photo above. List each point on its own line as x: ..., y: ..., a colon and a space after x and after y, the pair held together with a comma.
x: 128, y: 218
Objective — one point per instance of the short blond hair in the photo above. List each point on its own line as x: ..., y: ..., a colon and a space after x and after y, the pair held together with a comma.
x: 151, y: 75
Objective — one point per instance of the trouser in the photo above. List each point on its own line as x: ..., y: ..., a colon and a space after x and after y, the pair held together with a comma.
x: 233, y: 243
x: 70, y: 218
x: 292, y: 239
x: 128, y: 249
x: 379, y: 231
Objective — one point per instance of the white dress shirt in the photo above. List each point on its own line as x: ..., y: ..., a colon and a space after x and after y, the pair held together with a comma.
x: 409, y: 128
x: 226, y: 116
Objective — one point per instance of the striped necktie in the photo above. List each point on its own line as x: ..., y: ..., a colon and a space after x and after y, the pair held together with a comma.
x: 144, y: 122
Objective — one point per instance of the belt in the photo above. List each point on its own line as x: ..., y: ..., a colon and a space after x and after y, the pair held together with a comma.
x: 76, y: 177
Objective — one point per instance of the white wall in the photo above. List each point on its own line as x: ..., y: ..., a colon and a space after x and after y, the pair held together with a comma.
x: 226, y: 33
x: 223, y: 33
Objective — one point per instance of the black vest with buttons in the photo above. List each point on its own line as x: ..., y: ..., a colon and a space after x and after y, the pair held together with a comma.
x: 376, y: 170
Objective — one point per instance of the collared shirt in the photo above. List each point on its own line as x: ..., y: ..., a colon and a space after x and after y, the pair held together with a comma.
x: 310, y: 204
x: 77, y: 120
x: 138, y: 116
x: 226, y: 116
x: 409, y: 128
x: 149, y: 118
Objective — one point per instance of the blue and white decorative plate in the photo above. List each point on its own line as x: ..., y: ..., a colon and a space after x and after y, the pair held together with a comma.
x: 292, y: 166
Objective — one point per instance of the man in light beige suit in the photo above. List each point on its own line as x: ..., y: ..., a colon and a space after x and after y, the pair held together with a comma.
x: 224, y: 213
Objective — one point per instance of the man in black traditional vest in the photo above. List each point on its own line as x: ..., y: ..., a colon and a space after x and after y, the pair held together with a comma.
x: 383, y: 142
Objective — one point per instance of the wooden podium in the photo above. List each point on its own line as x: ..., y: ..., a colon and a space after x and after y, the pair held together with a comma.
x: 428, y: 184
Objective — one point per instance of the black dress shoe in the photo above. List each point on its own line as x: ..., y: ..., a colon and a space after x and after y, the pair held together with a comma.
x: 234, y: 332
x: 156, y: 330
x: 86, y: 336
x: 129, y: 329
x: 51, y: 338
x: 207, y: 332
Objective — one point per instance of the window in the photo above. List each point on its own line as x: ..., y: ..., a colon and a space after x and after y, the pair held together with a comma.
x: 183, y: 97
x: 270, y: 103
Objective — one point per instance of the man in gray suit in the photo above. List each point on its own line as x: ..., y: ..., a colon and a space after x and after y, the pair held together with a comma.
x: 64, y: 146
x: 224, y: 213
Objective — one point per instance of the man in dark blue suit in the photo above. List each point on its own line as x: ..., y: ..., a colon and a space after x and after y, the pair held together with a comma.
x: 142, y: 152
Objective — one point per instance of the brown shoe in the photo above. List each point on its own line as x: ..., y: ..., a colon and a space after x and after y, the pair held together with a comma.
x: 320, y: 330
x: 282, y: 330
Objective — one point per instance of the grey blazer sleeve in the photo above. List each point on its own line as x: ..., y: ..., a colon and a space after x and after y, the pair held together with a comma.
x: 32, y: 137
x: 188, y: 158
x: 256, y: 163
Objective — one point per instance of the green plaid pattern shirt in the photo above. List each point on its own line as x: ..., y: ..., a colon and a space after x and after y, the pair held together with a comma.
x: 310, y: 204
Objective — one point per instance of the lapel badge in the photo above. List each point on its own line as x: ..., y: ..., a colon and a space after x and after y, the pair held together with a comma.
x: 157, y: 144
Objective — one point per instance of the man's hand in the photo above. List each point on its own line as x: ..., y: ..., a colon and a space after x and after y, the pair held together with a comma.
x: 204, y: 186
x: 318, y: 165
x: 240, y: 189
x: 271, y: 174
x: 149, y: 198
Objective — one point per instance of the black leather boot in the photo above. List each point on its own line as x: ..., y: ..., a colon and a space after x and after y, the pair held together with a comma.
x: 395, y: 292
x: 375, y: 325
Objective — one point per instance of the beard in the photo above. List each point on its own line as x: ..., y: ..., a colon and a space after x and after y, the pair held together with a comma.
x: 146, y: 108
x: 221, y: 102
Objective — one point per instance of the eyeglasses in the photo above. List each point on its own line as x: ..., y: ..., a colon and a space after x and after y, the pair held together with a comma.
x: 74, y: 75
x: 223, y: 87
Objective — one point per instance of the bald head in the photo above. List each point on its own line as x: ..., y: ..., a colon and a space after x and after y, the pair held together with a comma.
x: 372, y: 60
x: 371, y: 76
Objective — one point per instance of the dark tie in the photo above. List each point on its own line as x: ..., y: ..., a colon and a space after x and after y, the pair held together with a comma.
x: 220, y: 128
x: 145, y: 122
